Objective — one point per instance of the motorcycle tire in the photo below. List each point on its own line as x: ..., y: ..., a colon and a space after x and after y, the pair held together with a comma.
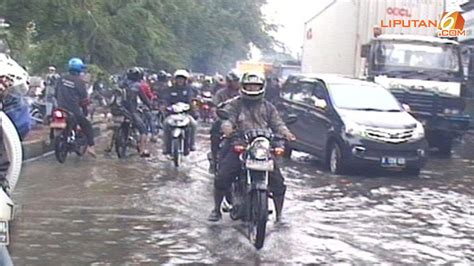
x: 176, y: 143
x: 121, y: 142
x: 258, y: 222
x: 12, y: 143
x: 81, y: 145
x: 60, y: 148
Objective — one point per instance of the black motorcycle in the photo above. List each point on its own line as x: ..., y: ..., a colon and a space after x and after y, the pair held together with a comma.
x: 68, y: 136
x: 257, y: 149
x: 125, y: 135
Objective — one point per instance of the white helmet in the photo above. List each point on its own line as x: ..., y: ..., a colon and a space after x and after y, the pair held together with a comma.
x: 181, y: 73
x: 252, y: 79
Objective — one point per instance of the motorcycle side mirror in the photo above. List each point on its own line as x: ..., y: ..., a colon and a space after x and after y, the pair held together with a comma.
x: 291, y: 119
x: 222, y: 114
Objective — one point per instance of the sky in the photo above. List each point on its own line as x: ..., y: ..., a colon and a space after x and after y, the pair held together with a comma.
x: 291, y: 16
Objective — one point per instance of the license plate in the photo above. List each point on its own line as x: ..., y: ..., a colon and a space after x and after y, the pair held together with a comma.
x: 4, y: 233
x: 58, y: 125
x: 393, y: 162
x: 259, y: 165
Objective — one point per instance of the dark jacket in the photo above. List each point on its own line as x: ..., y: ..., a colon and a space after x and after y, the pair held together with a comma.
x: 175, y: 95
x: 258, y: 115
x: 224, y: 94
x: 71, y: 93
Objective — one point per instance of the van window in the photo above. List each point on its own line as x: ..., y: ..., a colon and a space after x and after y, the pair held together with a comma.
x: 308, y: 93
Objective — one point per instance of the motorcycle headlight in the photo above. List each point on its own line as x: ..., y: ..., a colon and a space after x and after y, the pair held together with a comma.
x: 354, y: 129
x: 419, y: 131
x: 261, y: 149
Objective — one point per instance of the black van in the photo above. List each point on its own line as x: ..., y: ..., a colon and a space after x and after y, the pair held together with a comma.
x: 350, y: 123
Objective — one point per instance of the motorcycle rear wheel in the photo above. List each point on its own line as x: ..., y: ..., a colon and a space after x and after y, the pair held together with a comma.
x: 121, y: 142
x: 60, y: 148
x: 258, y: 221
x: 82, y: 145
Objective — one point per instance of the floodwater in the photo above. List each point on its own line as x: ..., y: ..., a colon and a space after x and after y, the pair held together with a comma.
x: 144, y: 211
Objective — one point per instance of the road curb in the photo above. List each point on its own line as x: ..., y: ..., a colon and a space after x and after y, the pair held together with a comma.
x: 36, y: 148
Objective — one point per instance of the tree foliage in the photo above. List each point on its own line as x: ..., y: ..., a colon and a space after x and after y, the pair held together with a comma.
x: 204, y: 35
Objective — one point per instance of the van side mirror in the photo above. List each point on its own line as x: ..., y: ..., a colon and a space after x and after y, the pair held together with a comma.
x: 320, y: 103
x: 365, y: 50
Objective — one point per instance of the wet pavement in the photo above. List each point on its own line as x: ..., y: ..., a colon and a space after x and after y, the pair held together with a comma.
x: 146, y: 212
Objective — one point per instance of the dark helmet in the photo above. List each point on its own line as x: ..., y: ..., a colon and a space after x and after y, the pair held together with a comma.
x: 232, y: 76
x: 252, y: 79
x: 162, y: 76
x: 135, y: 74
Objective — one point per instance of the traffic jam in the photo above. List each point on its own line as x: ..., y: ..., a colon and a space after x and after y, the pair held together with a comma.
x: 357, y: 150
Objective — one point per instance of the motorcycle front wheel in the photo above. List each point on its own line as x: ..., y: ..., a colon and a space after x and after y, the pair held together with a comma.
x: 121, y: 142
x: 60, y: 148
x: 14, y: 152
x: 175, y: 145
x: 259, y: 217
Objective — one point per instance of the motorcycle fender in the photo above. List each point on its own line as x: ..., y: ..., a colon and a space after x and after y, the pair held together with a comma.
x: 176, y: 133
x: 260, y: 186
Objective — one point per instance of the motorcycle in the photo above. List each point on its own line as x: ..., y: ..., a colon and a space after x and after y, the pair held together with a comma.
x: 125, y: 135
x: 204, y: 104
x: 68, y: 136
x: 257, y: 150
x: 179, y: 122
x: 37, y: 110
x: 12, y: 156
x: 206, y: 108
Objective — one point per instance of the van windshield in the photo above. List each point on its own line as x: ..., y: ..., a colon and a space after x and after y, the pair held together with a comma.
x: 363, y: 97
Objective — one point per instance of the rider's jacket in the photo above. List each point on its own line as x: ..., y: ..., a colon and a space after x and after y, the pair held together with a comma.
x: 248, y: 115
x: 71, y: 93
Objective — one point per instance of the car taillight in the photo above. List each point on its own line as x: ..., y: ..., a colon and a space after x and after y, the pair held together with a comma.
x: 279, y: 151
x: 239, y: 148
x: 58, y: 114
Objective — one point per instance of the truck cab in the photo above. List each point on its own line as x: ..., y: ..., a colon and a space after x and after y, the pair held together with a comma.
x: 426, y: 75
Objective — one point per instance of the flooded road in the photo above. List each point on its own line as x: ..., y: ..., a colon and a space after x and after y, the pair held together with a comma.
x: 137, y: 211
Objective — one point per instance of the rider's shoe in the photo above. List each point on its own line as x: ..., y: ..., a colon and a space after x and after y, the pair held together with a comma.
x: 214, y: 216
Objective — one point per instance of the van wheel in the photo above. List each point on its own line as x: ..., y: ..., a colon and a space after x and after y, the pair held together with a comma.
x: 335, y: 160
x: 445, y: 146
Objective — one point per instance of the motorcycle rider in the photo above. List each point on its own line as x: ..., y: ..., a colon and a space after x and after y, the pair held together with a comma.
x: 134, y: 91
x: 145, y: 87
x: 230, y: 91
x: 71, y: 94
x: 179, y: 92
x: 219, y: 84
x: 247, y: 112
x: 161, y: 84
x: 50, y: 84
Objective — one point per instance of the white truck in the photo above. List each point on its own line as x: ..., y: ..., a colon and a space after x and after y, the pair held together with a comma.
x: 422, y: 71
